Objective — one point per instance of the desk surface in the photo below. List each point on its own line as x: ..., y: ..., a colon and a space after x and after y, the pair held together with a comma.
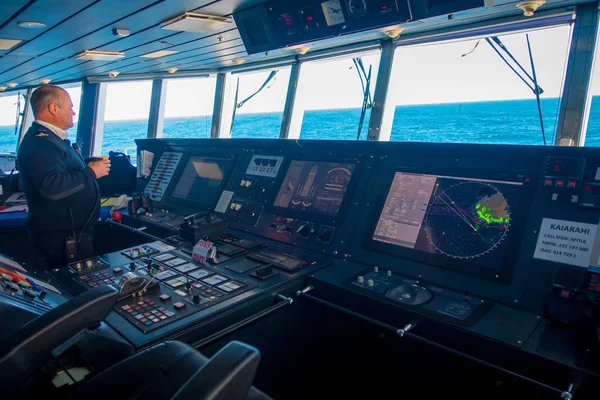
x: 18, y: 219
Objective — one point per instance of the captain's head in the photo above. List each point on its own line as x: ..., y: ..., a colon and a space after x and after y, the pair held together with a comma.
x: 52, y: 104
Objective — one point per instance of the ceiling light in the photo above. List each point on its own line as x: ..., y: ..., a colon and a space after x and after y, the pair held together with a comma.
x: 238, y: 61
x: 96, y: 55
x: 11, y: 84
x: 530, y: 7
x: 394, y: 33
x: 7, y: 44
x: 172, y: 70
x: 193, y: 22
x: 45, y: 81
x: 121, y: 32
x: 2, y: 88
x: 302, y: 49
x: 160, y: 53
x: 113, y: 74
x: 31, y: 24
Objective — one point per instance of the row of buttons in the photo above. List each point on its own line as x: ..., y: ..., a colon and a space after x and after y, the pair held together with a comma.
x: 572, y: 184
x: 147, y: 312
x: 97, y: 279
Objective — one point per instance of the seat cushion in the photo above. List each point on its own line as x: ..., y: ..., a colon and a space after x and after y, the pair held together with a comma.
x: 155, y: 373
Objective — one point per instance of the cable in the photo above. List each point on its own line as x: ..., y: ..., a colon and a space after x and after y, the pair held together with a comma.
x: 92, y: 213
x: 476, y: 44
x: 237, y: 92
x: 537, y: 92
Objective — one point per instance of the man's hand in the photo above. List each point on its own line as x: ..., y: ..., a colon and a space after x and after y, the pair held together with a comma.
x: 100, y: 168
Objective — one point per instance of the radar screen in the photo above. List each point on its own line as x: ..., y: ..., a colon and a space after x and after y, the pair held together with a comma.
x: 460, y: 218
x: 315, y: 187
x: 201, y: 180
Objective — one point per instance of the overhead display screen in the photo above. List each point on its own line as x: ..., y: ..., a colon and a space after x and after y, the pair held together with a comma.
x: 460, y: 218
x: 201, y: 180
x: 315, y: 187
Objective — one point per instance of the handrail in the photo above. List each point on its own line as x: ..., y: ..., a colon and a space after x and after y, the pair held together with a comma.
x: 406, y: 333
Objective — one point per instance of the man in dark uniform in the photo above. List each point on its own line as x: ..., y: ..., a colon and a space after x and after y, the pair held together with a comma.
x: 62, y: 193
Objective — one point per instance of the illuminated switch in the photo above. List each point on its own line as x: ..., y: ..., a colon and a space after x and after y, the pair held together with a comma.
x: 560, y: 183
x: 548, y: 182
x: 571, y: 184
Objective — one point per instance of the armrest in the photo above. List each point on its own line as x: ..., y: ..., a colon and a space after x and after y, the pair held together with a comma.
x: 26, y: 351
x: 227, y: 375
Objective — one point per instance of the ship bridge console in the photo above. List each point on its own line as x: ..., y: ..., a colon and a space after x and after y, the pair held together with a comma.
x: 474, y: 255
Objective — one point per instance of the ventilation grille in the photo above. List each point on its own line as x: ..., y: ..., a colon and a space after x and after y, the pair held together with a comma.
x: 7, y: 44
x: 160, y: 53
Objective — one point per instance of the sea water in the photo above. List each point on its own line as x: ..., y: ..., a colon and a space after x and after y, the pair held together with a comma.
x: 510, y: 121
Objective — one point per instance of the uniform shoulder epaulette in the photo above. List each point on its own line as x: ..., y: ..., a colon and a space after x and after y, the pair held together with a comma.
x: 41, y: 134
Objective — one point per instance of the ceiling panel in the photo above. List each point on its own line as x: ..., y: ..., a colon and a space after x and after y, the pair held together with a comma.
x: 93, y: 17
x: 50, y: 12
x: 77, y: 25
x: 9, y: 8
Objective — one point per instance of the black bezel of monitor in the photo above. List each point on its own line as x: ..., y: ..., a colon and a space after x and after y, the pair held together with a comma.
x: 333, y: 220
x: 170, y: 199
x: 502, y: 274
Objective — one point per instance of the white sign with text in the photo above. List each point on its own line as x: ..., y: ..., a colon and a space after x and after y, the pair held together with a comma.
x: 566, y: 242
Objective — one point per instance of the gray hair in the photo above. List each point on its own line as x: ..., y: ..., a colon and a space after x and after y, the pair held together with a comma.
x: 43, y: 96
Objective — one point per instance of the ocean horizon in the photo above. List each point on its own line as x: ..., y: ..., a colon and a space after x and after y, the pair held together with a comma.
x: 494, y: 122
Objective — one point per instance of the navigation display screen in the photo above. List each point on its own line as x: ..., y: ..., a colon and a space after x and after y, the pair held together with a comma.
x: 460, y: 218
x: 315, y: 187
x: 201, y: 180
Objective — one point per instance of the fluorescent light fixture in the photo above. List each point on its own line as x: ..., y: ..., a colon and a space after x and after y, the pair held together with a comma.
x: 160, y: 53
x: 96, y: 55
x: 7, y: 44
x: 31, y: 24
x: 193, y: 22
x: 238, y: 61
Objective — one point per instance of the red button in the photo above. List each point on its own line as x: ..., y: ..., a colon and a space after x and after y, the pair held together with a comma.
x: 560, y: 183
x: 548, y: 182
x: 565, y: 293
x: 572, y: 184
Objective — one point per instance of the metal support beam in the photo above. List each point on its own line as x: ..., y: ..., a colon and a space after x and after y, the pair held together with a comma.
x: 576, y: 95
x: 27, y: 119
x: 91, y: 118
x: 223, y: 107
x: 380, y: 113
x: 156, y: 120
x: 289, y: 112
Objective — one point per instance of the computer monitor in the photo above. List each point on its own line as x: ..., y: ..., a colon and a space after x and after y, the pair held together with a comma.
x: 456, y: 222
x: 315, y: 188
x: 201, y: 181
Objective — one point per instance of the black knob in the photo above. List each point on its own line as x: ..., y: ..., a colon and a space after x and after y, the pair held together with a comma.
x: 196, y: 299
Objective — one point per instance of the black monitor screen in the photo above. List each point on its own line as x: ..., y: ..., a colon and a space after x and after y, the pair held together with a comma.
x: 314, y: 187
x: 459, y: 218
x: 201, y: 180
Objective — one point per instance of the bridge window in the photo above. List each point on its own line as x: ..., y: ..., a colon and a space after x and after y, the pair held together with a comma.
x: 126, y: 116
x: 8, y: 118
x: 330, y: 95
x: 189, y: 107
x: 74, y: 91
x: 464, y: 92
x: 592, y: 136
x: 259, y: 108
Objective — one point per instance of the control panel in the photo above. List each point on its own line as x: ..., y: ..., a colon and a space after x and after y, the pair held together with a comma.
x: 279, y: 24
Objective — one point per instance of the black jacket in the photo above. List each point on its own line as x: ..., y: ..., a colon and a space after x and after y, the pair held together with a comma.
x: 56, y: 180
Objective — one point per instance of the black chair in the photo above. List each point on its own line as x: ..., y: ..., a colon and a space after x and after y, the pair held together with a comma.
x: 171, y: 370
